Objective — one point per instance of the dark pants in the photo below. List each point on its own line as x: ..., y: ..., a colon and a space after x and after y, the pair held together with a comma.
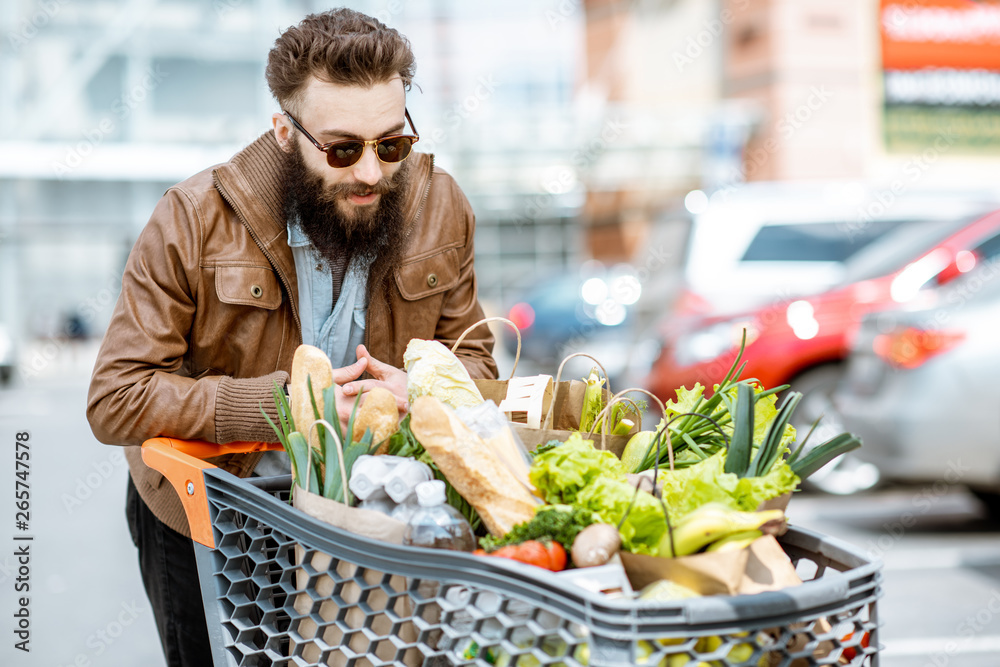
x: 170, y: 576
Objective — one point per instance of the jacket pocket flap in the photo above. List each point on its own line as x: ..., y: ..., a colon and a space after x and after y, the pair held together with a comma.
x: 427, y: 276
x: 248, y: 286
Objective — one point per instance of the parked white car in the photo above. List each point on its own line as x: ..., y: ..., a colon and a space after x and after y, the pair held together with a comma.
x: 765, y: 242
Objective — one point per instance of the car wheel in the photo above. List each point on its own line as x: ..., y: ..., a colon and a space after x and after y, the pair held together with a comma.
x: 846, y: 474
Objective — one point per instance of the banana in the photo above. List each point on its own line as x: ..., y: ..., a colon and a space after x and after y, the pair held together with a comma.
x: 709, y: 523
x: 735, y: 541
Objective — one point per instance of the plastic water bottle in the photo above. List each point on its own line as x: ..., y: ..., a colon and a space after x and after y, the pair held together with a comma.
x: 436, y: 524
x: 404, y: 510
x: 378, y: 502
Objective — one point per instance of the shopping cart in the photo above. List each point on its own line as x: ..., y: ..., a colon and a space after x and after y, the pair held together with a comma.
x: 281, y: 588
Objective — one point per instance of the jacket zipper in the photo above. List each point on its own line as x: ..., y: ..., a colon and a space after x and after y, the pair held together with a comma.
x: 409, y: 229
x: 270, y: 258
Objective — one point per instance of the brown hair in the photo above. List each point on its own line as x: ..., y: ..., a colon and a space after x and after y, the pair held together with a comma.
x: 339, y: 46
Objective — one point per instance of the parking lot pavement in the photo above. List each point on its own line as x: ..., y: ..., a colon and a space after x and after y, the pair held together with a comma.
x: 87, y: 605
x: 941, y: 558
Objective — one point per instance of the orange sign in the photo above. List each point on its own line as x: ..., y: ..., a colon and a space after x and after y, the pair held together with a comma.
x: 957, y: 34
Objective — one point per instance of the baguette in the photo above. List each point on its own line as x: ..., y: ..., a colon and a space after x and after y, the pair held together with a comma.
x: 475, y: 471
x: 308, y: 362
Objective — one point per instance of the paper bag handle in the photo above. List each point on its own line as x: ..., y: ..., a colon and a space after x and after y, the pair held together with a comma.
x: 620, y: 396
x: 555, y: 389
x: 513, y: 326
x: 340, y: 457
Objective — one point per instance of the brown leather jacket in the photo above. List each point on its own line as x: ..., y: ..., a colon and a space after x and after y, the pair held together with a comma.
x: 208, y: 319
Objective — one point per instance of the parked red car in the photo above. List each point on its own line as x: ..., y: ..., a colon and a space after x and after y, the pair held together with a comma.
x: 803, y: 340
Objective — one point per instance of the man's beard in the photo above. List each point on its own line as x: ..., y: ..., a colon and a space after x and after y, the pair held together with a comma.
x: 373, y: 235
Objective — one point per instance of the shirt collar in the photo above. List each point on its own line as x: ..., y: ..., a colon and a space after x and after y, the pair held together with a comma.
x: 296, y: 237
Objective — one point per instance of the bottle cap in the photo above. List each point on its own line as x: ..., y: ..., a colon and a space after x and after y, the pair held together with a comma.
x: 430, y: 493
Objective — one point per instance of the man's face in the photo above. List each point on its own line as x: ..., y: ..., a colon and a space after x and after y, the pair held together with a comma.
x: 333, y: 112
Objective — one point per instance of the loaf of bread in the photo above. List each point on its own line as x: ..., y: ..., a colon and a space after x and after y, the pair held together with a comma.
x: 471, y: 466
x: 308, y: 362
x: 379, y: 413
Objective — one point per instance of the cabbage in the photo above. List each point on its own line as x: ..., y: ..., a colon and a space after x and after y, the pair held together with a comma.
x: 433, y: 370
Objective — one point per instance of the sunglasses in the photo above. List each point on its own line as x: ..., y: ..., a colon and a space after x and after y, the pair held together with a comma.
x: 341, y: 154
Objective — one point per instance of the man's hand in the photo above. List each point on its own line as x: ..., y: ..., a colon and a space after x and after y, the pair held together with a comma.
x: 383, y: 375
x: 345, y: 400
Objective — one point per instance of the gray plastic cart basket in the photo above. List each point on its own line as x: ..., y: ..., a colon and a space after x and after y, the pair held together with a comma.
x: 281, y: 588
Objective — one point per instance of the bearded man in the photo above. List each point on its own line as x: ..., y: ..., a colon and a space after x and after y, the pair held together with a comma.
x: 328, y: 229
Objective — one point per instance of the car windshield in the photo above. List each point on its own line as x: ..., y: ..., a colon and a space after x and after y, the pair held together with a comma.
x: 814, y: 241
x: 905, y: 243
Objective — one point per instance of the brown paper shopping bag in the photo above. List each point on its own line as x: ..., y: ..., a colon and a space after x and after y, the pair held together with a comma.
x: 553, y: 411
x: 343, y: 576
x: 718, y: 573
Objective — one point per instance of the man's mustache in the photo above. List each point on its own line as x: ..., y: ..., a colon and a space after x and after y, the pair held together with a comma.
x: 344, y: 190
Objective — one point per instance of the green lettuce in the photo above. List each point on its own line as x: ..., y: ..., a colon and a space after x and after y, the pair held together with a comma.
x: 644, y: 524
x: 560, y: 473
x: 706, y: 481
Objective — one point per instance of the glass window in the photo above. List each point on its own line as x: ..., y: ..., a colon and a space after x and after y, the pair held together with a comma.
x: 813, y: 242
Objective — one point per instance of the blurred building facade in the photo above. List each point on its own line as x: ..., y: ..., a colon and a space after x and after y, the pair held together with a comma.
x: 899, y: 93
x: 576, y: 127
x: 106, y: 103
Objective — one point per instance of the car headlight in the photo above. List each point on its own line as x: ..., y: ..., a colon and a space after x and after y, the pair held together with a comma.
x: 712, y: 342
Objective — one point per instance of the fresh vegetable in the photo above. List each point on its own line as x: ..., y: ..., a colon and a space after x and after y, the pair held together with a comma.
x: 637, y: 514
x: 324, y: 471
x: 595, y: 545
x: 591, y: 420
x: 560, y: 523
x: 819, y: 456
x: 635, y: 451
x: 699, y: 426
x: 686, y: 489
x: 560, y: 473
x: 434, y: 370
x: 741, y: 446
x: 557, y: 555
x: 851, y: 652
x: 541, y: 449
x: 593, y: 401
x: 550, y: 556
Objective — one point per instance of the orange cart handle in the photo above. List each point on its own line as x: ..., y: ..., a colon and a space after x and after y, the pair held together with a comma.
x: 181, y: 462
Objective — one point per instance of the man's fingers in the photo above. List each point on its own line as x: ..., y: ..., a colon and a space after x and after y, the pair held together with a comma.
x: 353, y: 388
x: 377, y: 368
x: 352, y: 372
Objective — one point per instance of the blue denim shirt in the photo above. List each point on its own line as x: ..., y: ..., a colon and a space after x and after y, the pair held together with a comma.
x: 339, y: 328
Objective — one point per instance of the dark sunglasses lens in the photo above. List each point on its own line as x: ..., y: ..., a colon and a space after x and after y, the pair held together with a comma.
x: 344, y: 153
x: 394, y: 149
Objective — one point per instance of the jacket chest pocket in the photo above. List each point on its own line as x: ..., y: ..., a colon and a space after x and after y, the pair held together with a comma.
x: 427, y: 276
x: 248, y: 286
